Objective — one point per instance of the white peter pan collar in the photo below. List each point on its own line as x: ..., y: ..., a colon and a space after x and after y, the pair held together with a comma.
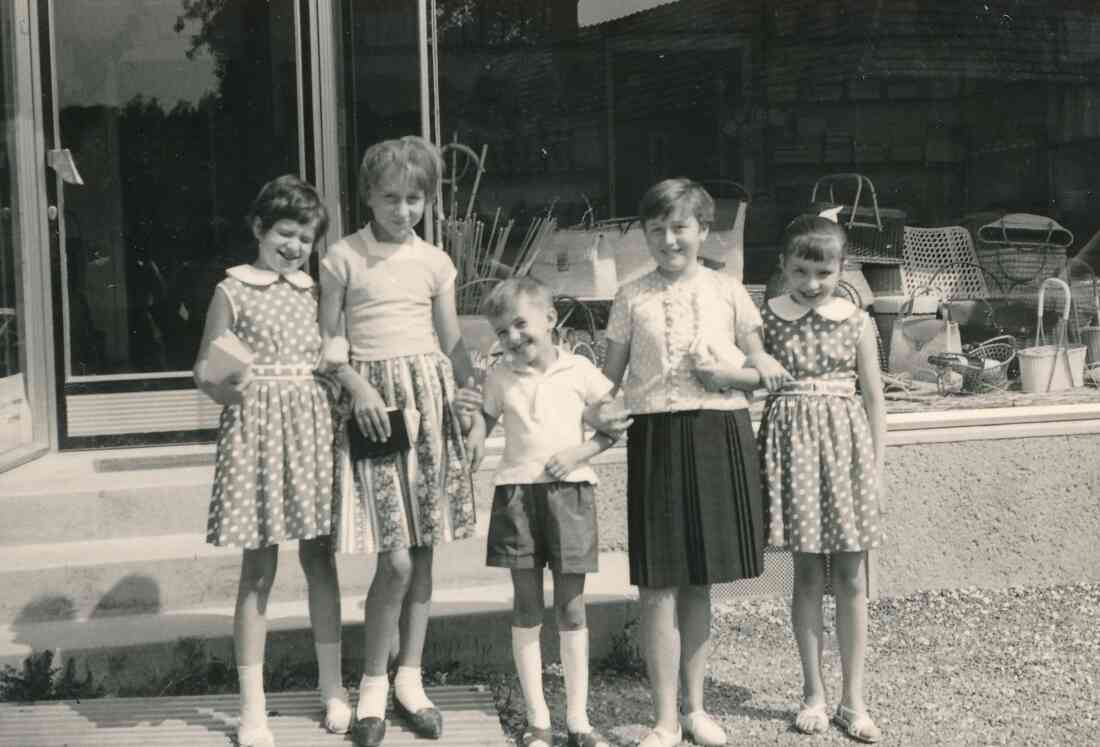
x: 835, y: 309
x: 255, y: 276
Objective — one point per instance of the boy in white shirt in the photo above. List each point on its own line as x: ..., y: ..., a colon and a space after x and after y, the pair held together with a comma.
x: 544, y: 511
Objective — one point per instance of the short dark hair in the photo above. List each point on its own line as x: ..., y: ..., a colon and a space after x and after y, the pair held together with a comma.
x: 665, y: 196
x: 288, y: 197
x: 414, y: 155
x: 506, y: 292
x: 807, y: 235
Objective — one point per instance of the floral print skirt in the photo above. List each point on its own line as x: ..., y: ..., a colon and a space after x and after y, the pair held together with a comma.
x: 421, y: 497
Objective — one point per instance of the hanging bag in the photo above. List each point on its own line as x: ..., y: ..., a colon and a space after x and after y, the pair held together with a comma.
x: 1055, y: 365
x: 914, y: 338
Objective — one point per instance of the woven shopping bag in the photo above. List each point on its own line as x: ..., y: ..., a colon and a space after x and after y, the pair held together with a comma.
x: 914, y: 338
x: 580, y: 261
x: 875, y: 235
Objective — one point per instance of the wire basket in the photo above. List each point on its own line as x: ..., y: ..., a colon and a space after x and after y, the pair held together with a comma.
x: 983, y: 368
x: 990, y: 364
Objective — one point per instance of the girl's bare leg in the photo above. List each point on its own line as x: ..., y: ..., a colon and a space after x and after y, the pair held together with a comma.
x: 693, y: 608
x: 851, y: 624
x: 661, y: 648
x: 808, y: 622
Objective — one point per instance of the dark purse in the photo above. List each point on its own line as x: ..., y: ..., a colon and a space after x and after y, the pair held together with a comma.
x: 361, y: 447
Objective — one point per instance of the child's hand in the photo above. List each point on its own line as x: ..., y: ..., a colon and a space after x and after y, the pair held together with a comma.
x: 564, y: 462
x: 369, y: 410
x: 608, y: 416
x: 771, y: 372
x: 475, y: 442
x: 468, y: 401
x: 711, y: 369
x: 231, y: 389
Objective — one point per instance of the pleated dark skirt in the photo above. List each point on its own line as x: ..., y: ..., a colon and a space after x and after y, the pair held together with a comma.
x: 695, y: 511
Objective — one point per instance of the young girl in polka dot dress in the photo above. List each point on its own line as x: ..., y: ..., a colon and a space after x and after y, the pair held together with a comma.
x: 273, y: 480
x: 822, y: 450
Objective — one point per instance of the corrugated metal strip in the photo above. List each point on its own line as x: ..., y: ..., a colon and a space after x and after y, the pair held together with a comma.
x: 140, y: 412
x: 470, y: 720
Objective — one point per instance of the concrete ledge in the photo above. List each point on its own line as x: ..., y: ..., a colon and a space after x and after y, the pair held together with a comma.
x: 470, y: 625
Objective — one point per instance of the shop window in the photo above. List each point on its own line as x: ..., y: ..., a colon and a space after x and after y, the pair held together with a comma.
x: 959, y: 117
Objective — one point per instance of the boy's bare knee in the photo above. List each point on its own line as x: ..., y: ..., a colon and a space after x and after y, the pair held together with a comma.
x: 570, y: 613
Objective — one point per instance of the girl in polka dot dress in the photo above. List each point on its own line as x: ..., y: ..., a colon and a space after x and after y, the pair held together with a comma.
x: 273, y: 480
x: 822, y: 450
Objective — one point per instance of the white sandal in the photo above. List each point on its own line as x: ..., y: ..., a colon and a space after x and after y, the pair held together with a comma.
x: 659, y: 737
x: 255, y: 735
x: 701, y: 728
x: 812, y: 719
x: 857, y: 725
x: 338, y: 712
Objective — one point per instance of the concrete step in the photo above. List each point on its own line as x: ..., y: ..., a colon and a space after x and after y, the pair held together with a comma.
x: 111, y: 494
x: 104, y: 578
x: 469, y: 715
x: 470, y: 625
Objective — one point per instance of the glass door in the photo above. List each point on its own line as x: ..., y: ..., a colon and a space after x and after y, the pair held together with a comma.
x: 167, y: 117
x: 23, y: 421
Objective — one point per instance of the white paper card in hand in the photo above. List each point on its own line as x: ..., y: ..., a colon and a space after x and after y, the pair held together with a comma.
x: 228, y: 355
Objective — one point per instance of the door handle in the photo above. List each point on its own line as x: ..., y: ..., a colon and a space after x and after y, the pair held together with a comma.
x: 61, y: 161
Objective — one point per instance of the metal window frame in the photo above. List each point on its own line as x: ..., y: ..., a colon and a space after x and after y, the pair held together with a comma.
x: 31, y: 233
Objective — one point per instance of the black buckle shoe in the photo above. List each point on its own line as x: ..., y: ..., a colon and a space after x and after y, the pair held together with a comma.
x: 427, y: 722
x: 368, y: 732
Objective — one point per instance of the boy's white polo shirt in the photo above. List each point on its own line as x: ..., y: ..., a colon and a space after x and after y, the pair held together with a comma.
x: 541, y: 412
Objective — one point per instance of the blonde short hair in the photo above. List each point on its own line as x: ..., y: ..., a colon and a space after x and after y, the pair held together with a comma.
x: 412, y: 154
x: 504, y: 296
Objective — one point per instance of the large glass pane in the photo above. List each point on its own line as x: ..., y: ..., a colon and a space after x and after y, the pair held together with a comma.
x: 380, y: 61
x: 15, y: 411
x: 175, y: 111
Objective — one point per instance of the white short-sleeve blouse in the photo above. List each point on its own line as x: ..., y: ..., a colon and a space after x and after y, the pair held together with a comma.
x: 388, y: 291
x: 660, y: 319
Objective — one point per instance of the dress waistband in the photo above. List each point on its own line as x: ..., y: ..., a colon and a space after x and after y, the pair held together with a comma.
x: 818, y: 387
x: 285, y: 373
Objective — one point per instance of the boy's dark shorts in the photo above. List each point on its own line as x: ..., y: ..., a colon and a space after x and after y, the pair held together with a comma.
x: 544, y: 524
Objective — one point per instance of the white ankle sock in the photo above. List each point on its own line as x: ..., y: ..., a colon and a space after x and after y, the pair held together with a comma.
x: 329, y: 679
x: 527, y: 652
x: 574, y: 664
x: 408, y: 687
x: 253, y: 702
x: 373, y: 693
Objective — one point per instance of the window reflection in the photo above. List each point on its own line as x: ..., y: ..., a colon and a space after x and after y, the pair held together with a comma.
x: 175, y: 113
x: 959, y: 115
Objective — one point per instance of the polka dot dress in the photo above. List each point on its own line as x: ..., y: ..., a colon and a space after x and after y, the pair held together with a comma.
x: 273, y: 477
x: 819, y: 472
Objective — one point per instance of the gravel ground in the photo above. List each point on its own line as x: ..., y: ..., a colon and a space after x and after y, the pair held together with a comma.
x: 1019, y: 666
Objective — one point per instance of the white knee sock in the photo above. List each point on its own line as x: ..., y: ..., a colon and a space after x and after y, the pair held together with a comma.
x: 373, y: 693
x: 408, y: 687
x: 329, y: 679
x: 574, y: 664
x: 253, y: 702
x: 527, y: 652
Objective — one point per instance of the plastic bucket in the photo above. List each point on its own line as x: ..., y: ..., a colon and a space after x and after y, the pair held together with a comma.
x: 1050, y: 368
x: 1092, y: 356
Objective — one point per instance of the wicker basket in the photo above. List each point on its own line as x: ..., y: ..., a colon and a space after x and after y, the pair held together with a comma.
x: 983, y: 367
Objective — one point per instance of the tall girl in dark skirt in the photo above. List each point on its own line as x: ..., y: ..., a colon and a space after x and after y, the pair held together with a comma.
x: 685, y: 336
